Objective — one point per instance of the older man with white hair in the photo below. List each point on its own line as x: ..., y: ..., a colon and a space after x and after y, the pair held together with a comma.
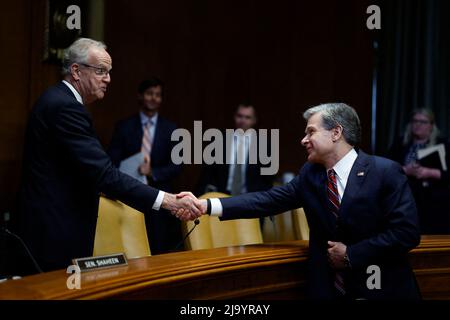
x: 65, y: 168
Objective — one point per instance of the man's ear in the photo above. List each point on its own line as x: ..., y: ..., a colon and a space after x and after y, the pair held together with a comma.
x: 336, y: 133
x: 75, y: 71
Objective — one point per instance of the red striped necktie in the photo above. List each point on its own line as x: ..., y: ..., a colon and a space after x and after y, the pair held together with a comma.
x: 146, y: 140
x: 334, y: 204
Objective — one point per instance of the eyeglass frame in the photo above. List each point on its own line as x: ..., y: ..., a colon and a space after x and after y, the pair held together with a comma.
x: 421, y: 122
x: 103, y: 71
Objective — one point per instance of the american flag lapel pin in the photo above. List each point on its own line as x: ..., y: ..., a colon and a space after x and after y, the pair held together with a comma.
x: 360, y: 174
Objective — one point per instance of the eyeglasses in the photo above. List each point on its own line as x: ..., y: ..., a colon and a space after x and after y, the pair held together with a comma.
x: 422, y: 122
x: 97, y: 70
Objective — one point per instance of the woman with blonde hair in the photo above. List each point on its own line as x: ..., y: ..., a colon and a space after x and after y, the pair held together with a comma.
x: 429, y: 183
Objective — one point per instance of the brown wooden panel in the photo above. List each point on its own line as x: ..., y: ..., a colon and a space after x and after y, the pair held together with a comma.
x: 222, y: 273
x: 264, y: 271
x: 212, y: 54
x: 25, y: 76
x: 284, y: 57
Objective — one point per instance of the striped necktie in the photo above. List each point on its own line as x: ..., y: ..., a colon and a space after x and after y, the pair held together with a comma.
x: 237, y: 183
x: 334, y: 204
x: 146, y: 140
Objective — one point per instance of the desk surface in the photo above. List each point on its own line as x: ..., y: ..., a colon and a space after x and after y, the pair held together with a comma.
x: 263, y: 271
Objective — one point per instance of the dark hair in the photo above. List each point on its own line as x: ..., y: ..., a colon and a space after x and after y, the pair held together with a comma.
x: 245, y: 104
x: 149, y: 83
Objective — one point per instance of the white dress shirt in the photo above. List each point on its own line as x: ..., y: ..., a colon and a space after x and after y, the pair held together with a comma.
x: 342, y: 169
x: 233, y: 159
x: 74, y: 91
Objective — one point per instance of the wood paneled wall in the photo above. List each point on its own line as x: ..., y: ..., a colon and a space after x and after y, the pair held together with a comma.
x: 282, y: 56
x: 24, y: 77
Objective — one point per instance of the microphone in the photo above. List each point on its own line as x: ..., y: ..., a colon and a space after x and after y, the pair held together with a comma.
x: 6, y: 231
x: 196, y: 222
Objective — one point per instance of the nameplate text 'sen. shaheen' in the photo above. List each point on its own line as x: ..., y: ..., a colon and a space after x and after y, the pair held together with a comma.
x: 101, y: 262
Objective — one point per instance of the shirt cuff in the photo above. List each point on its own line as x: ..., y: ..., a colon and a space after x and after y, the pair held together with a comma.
x: 216, y: 207
x: 158, y: 201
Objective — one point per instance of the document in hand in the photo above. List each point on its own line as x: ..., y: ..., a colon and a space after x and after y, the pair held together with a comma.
x: 433, y: 157
x: 130, y: 166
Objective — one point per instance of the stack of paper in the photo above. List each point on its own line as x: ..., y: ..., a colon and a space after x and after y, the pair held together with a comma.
x: 130, y: 166
x: 433, y: 157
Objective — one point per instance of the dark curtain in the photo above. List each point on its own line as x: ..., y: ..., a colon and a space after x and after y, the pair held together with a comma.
x: 413, y: 64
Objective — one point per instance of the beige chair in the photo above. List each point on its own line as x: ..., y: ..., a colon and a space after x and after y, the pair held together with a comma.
x: 120, y: 228
x: 279, y: 227
x: 213, y: 233
x: 300, y: 223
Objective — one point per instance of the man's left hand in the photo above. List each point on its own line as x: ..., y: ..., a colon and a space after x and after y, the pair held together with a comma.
x: 145, y: 168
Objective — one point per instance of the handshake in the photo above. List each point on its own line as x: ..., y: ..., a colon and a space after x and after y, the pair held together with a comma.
x: 185, y: 206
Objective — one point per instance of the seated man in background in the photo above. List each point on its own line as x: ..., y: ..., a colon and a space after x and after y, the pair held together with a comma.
x: 150, y: 133
x: 232, y: 177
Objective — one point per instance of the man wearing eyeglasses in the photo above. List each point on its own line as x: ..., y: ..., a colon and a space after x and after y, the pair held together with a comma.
x: 65, y: 168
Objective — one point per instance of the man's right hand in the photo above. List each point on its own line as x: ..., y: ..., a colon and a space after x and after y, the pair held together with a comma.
x: 201, y: 204
x: 186, y: 207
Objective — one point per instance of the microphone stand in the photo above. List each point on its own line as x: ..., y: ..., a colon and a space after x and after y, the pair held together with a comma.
x: 5, y: 231
x: 196, y: 222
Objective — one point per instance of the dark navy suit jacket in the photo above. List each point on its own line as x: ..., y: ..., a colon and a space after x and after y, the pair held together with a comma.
x: 64, y: 170
x: 377, y: 221
x: 215, y: 176
x: 164, y: 230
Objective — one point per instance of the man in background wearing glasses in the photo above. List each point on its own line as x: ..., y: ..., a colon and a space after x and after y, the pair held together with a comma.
x: 65, y: 168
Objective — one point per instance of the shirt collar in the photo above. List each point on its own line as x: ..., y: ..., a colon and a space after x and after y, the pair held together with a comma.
x: 145, y: 119
x: 74, y: 91
x: 247, y: 133
x: 344, y: 166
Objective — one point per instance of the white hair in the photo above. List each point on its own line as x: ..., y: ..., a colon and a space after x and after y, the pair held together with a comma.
x: 78, y: 52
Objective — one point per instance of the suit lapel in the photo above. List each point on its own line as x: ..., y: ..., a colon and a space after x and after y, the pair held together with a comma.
x: 62, y: 86
x: 138, y: 133
x: 355, y: 181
